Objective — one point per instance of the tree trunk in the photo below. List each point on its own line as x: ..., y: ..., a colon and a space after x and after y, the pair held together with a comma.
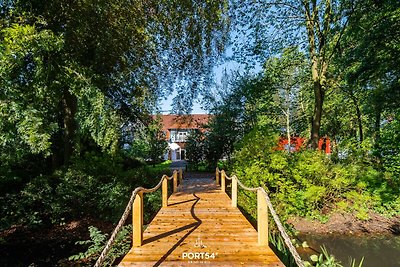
x: 316, y: 119
x: 69, y: 107
x: 56, y: 157
x: 319, y: 61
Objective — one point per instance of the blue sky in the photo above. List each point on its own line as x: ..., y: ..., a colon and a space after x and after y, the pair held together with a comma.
x: 166, y: 105
x: 230, y: 65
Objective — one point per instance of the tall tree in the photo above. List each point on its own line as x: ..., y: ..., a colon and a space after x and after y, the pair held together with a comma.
x: 370, y: 52
x: 156, y: 140
x: 243, y: 104
x: 315, y: 26
x: 195, y: 148
x: 287, y: 79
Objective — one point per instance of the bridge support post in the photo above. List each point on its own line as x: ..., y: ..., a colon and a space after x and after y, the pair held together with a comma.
x: 180, y: 175
x: 217, y: 176
x: 164, y: 190
x: 223, y: 181
x: 234, y: 191
x: 262, y: 219
x: 175, y: 181
x: 137, y: 220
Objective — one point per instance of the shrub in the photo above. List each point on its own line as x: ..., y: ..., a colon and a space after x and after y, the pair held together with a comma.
x: 95, y: 186
x: 96, y: 244
x: 310, y: 184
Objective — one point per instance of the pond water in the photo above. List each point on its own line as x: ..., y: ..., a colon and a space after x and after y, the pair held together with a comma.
x: 378, y: 251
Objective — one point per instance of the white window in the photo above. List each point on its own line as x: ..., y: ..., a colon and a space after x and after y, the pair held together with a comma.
x: 182, y: 136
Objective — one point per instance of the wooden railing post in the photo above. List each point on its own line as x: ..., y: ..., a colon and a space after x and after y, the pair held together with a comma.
x: 165, y: 192
x: 234, y: 191
x: 175, y: 181
x: 217, y: 176
x: 137, y: 220
x: 262, y: 219
x: 223, y: 181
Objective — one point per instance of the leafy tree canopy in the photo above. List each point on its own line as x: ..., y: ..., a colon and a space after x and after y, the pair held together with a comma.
x: 77, y: 71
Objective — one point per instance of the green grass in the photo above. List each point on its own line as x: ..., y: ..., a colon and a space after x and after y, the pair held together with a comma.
x: 160, y: 166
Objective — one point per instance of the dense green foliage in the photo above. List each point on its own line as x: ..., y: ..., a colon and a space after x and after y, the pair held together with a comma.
x: 149, y: 143
x: 359, y: 177
x: 78, y: 73
x: 359, y: 83
x: 94, y: 186
x: 313, y: 26
x: 309, y: 184
x: 78, y: 82
x: 329, y: 69
x: 195, y: 149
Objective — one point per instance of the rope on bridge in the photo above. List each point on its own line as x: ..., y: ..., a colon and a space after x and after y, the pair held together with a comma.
x: 281, y: 229
x: 122, y: 221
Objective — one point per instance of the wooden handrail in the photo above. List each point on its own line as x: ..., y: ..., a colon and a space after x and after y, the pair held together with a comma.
x: 136, y: 204
x: 164, y: 193
x: 137, y: 220
x: 262, y: 217
x: 175, y: 182
x: 223, y: 182
x: 263, y: 205
x: 234, y: 193
x: 217, y: 175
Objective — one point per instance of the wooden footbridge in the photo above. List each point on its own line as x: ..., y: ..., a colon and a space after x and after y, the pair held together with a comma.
x: 199, y: 225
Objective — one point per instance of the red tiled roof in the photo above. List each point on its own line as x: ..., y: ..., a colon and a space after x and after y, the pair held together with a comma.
x: 193, y: 121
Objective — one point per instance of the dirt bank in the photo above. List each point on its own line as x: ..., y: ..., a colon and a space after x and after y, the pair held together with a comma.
x: 340, y: 223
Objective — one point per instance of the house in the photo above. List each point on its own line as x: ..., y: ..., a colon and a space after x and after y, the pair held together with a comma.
x: 176, y: 129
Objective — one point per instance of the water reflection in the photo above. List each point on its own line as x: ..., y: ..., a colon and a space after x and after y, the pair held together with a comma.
x: 377, y: 250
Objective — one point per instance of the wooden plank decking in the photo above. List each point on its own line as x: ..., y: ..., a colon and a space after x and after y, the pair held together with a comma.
x: 200, y: 228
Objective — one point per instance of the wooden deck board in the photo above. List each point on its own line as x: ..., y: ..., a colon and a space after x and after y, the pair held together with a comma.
x: 200, y: 219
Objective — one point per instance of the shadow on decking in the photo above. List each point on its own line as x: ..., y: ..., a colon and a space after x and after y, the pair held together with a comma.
x: 181, y: 202
x: 194, y: 226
